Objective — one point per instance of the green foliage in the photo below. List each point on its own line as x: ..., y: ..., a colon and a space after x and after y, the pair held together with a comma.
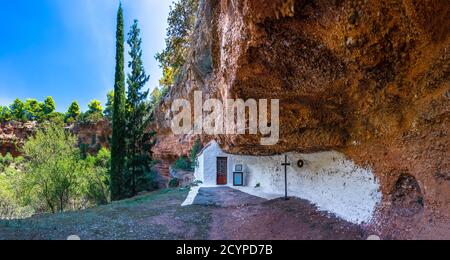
x: 178, y: 39
x: 182, y: 163
x: 174, y: 183
x: 5, y: 114
x: 18, y: 110
x: 30, y: 110
x: 97, y: 180
x: 5, y: 161
x: 118, y: 152
x: 94, y: 113
x: 53, y: 176
x: 10, y: 192
x: 109, y: 109
x: 73, y: 113
x: 54, y: 169
x: 33, y: 110
x: 196, y: 149
x: 188, y: 164
x: 138, y: 111
x: 84, y: 150
x: 168, y: 77
x: 157, y: 96
x: 95, y: 107
x: 56, y: 118
x: 49, y: 106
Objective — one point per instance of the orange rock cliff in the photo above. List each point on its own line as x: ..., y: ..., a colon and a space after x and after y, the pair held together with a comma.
x: 370, y: 79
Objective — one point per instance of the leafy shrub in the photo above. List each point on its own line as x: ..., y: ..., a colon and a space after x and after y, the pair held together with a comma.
x: 10, y: 191
x: 54, y: 168
x: 196, y: 149
x: 174, y: 183
x: 5, y: 161
x: 96, y: 181
x: 182, y: 163
x: 53, y: 176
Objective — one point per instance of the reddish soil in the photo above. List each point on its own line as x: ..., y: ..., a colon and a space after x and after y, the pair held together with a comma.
x: 239, y: 216
x: 281, y: 220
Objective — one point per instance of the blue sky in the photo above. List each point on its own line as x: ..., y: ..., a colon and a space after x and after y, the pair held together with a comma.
x: 66, y: 48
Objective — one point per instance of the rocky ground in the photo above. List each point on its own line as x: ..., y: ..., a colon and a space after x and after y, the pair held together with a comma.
x: 238, y: 216
x: 222, y: 214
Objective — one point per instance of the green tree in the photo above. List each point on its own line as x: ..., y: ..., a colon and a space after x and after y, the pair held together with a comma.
x: 94, y: 113
x: 118, y: 143
x: 178, y: 39
x: 11, y: 175
x: 18, y: 110
x: 109, y: 109
x: 73, y: 113
x: 95, y: 107
x: 49, y: 106
x: 53, y: 168
x: 138, y: 111
x: 5, y: 114
x: 56, y: 118
x: 33, y: 109
x: 97, y: 180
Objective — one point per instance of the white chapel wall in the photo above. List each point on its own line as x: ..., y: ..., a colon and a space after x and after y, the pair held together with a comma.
x: 328, y: 180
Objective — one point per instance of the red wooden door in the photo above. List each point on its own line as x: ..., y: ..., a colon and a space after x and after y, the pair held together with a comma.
x: 222, y: 170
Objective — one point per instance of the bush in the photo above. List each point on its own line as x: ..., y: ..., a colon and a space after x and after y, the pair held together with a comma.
x: 53, y: 176
x: 196, y: 149
x: 5, y: 161
x: 96, y: 182
x: 10, y: 177
x: 174, y: 183
x: 182, y: 163
x: 87, y: 118
x: 54, y: 170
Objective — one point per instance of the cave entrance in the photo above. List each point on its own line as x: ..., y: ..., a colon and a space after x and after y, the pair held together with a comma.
x: 407, y: 197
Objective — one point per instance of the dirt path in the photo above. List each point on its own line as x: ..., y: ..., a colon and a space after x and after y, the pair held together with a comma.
x: 219, y: 214
x: 239, y: 216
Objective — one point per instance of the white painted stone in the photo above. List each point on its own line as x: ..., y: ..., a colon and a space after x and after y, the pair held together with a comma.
x: 328, y: 179
x: 374, y: 238
x: 73, y: 238
x: 191, y: 196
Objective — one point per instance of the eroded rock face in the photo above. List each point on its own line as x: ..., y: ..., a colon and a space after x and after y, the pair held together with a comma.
x: 13, y: 135
x: 368, y: 78
x: 93, y: 135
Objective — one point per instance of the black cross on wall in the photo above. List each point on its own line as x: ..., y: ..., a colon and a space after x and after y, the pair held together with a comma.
x: 285, y: 164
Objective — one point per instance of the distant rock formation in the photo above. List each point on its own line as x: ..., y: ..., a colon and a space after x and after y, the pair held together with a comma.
x: 13, y: 135
x: 92, y: 135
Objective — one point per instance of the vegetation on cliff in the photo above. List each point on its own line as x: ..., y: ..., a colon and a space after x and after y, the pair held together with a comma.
x: 52, y: 176
x: 181, y: 25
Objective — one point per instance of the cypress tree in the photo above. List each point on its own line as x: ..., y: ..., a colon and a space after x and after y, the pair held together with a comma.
x: 138, y: 111
x: 118, y: 152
